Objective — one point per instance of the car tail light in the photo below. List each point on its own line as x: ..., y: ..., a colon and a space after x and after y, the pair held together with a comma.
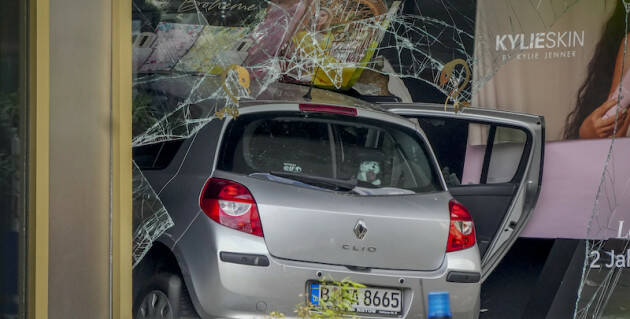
x: 461, y: 234
x: 344, y: 110
x: 231, y: 204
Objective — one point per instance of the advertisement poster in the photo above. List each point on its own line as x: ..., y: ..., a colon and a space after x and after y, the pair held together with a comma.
x: 571, y: 65
x: 566, y: 66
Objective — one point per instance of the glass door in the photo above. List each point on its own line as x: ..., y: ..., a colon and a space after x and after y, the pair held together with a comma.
x: 13, y: 146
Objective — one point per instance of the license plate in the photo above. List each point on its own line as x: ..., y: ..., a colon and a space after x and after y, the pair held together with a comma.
x: 381, y: 301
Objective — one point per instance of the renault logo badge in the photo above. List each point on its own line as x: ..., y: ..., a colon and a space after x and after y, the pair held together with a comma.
x: 360, y: 229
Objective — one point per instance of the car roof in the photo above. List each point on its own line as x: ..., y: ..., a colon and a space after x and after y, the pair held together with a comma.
x: 293, y: 93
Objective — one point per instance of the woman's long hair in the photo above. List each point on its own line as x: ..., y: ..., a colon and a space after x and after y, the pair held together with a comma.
x: 594, y: 91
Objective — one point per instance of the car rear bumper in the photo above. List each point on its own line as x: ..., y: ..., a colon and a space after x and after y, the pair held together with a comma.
x: 251, y: 287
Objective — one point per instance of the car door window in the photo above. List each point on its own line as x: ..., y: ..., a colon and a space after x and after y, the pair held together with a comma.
x: 475, y: 153
x: 507, y: 151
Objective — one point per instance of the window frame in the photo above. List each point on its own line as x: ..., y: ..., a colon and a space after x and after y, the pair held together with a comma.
x: 38, y: 95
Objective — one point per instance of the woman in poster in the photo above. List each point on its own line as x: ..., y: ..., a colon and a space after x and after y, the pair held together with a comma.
x: 594, y: 114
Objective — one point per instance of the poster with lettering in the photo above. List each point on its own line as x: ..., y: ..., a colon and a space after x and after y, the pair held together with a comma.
x: 213, y: 12
x: 567, y: 63
x: 560, y: 64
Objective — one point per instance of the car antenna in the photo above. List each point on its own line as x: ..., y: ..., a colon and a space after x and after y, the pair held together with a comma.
x: 308, y: 95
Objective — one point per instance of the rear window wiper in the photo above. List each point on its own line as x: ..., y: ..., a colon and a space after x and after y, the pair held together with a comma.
x: 326, y: 182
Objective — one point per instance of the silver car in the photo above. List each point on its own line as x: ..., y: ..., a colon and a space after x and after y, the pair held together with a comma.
x: 270, y: 205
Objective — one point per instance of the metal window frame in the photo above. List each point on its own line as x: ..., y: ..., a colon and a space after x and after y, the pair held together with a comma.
x: 39, y: 158
x: 38, y: 64
x: 121, y: 160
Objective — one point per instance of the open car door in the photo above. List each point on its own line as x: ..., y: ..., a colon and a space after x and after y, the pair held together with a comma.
x: 492, y: 162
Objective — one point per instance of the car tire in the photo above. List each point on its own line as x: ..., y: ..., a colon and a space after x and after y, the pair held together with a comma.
x: 164, y: 297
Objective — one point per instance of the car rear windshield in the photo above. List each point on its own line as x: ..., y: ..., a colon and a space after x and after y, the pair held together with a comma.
x: 381, y: 158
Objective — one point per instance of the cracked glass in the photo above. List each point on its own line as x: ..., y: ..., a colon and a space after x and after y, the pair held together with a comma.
x: 197, y: 61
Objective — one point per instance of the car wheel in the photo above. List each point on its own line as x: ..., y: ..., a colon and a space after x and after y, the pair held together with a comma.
x: 163, y: 297
x: 155, y: 305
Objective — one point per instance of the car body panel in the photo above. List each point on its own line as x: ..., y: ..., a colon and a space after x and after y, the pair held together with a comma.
x: 227, y: 290
x: 316, y: 225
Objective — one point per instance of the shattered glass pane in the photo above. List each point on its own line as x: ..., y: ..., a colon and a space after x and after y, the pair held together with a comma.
x: 150, y: 219
x: 198, y: 60
x: 195, y: 61
x: 604, y: 284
